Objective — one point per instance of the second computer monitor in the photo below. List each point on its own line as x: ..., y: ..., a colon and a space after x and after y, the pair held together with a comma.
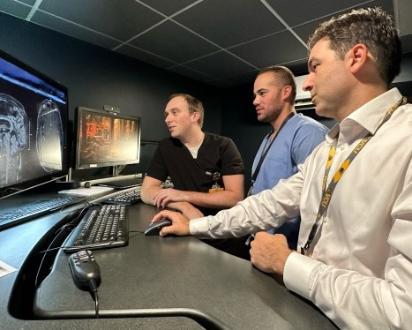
x: 106, y: 139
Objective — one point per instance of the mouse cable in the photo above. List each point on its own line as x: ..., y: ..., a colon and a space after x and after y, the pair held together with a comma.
x: 93, y: 291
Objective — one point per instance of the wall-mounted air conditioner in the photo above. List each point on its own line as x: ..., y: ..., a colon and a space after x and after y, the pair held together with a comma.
x: 303, y: 100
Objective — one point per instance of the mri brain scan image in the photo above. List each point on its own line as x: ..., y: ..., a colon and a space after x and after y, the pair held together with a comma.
x: 14, y: 138
x: 49, y: 135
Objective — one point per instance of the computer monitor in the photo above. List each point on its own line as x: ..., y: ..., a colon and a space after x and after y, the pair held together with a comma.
x: 106, y: 139
x: 33, y: 126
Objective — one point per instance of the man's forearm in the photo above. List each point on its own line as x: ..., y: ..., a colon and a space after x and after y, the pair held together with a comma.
x: 148, y: 193
x: 219, y: 199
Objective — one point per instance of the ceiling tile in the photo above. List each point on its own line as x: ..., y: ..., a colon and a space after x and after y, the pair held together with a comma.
x: 14, y: 8
x: 119, y: 19
x: 305, y: 30
x: 72, y: 30
x: 314, y: 9
x: 308, y: 10
x: 171, y: 41
x: 267, y: 51
x: 220, y: 66
x: 230, y: 22
x: 168, y: 7
x: 246, y: 27
x: 29, y: 2
x: 144, y: 56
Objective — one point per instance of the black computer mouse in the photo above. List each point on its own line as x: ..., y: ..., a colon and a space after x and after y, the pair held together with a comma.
x: 154, y: 227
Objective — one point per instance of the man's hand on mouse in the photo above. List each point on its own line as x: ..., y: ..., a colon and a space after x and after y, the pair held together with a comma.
x: 179, y: 226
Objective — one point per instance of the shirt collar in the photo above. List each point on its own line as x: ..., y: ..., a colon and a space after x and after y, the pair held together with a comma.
x: 368, y: 116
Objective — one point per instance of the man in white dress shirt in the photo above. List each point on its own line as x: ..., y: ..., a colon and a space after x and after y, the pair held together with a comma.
x: 354, y: 192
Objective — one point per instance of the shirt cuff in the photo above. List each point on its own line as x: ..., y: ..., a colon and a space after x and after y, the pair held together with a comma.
x: 199, y: 227
x: 298, y: 274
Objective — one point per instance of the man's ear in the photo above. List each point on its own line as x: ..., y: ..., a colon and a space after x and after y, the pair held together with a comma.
x: 195, y: 116
x: 286, y: 91
x: 356, y: 57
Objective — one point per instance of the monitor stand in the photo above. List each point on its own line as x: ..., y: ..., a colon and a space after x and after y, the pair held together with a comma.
x: 112, y: 179
x: 117, y: 169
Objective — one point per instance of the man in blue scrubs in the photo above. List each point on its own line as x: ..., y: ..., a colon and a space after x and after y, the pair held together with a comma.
x: 291, y: 139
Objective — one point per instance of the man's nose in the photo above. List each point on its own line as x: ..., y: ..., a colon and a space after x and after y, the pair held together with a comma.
x: 308, y: 83
x: 256, y: 100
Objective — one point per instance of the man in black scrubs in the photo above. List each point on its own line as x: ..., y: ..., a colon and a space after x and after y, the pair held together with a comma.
x: 206, y: 169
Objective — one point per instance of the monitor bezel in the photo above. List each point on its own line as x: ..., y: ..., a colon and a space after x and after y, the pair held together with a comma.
x: 47, y: 177
x: 78, y: 165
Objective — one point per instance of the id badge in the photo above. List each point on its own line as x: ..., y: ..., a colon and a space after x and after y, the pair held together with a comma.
x: 215, y: 189
x: 216, y: 186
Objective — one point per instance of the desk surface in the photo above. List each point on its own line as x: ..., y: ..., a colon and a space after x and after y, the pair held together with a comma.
x: 157, y: 282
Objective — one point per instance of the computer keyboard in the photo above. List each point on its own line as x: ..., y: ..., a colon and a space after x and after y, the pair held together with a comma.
x: 103, y: 226
x: 127, y: 198
x: 14, y: 214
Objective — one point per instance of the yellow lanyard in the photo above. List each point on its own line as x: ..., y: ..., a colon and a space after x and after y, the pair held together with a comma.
x: 328, y: 191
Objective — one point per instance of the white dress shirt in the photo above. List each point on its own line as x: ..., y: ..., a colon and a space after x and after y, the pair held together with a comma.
x: 359, y: 270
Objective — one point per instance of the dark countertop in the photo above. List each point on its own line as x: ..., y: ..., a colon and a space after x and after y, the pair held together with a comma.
x: 153, y: 283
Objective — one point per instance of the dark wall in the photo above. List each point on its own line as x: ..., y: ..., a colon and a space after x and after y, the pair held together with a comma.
x: 239, y: 118
x: 95, y: 76
x: 404, y: 80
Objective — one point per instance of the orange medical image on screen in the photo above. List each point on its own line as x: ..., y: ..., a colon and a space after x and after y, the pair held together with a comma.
x: 107, y: 140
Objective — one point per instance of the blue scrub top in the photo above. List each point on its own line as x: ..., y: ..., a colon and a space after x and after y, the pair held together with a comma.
x: 294, y: 142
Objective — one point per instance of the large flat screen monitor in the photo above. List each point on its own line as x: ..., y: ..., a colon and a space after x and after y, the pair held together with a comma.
x: 33, y: 126
x: 106, y: 139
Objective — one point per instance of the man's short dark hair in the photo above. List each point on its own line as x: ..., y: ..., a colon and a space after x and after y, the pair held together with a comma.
x: 194, y: 104
x: 285, y: 77
x: 372, y: 27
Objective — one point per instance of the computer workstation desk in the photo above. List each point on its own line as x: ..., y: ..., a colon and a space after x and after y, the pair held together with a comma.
x: 154, y: 282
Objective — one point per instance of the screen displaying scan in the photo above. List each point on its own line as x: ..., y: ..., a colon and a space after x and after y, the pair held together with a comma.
x: 33, y: 114
x: 105, y: 139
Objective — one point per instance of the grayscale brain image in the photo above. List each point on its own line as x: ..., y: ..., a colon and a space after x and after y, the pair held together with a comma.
x: 32, y: 131
x: 49, y: 136
x: 14, y: 138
